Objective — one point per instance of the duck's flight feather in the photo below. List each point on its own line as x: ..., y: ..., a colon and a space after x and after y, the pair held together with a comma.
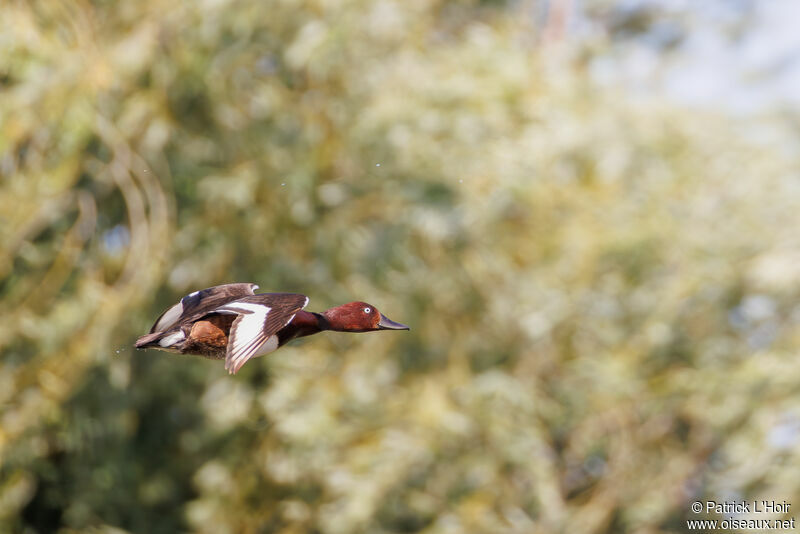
x: 259, y: 319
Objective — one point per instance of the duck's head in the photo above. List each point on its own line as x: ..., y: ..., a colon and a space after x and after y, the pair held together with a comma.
x: 359, y: 317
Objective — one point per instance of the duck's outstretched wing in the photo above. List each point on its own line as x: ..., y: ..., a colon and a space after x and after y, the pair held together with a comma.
x: 199, y: 303
x: 259, y: 319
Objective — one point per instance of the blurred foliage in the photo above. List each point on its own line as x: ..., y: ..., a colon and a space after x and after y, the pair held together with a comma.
x: 602, y: 291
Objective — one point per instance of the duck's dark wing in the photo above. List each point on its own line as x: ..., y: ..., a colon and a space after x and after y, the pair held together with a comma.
x: 195, y: 305
x: 259, y: 318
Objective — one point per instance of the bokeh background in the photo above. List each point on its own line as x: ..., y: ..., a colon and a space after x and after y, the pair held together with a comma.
x: 587, y: 211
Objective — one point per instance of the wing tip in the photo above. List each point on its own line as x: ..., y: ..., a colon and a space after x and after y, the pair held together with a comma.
x: 232, y: 367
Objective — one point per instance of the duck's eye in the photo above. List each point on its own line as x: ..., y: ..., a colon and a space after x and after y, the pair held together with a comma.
x: 367, y: 310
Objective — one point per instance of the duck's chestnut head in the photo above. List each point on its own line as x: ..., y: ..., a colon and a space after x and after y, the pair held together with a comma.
x: 359, y: 317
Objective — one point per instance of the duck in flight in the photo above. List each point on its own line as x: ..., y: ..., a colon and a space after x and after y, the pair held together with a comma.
x: 233, y: 323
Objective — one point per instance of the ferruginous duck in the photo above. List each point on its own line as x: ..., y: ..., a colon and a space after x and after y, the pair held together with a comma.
x: 232, y: 322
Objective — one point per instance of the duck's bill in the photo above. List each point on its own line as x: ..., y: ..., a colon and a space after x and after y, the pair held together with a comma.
x: 387, y: 324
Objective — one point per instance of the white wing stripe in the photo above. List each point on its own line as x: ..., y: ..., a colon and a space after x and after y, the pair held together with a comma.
x: 247, y: 333
x: 169, y: 318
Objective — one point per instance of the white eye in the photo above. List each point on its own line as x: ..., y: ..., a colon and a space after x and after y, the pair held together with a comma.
x: 367, y: 310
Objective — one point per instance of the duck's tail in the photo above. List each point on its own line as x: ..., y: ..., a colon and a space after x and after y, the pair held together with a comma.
x: 148, y: 340
x: 161, y: 340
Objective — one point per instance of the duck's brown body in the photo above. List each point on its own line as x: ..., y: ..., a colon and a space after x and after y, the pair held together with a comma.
x: 231, y: 322
x: 208, y: 337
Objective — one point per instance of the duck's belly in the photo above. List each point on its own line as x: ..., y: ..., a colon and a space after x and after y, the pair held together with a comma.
x: 203, y: 349
x: 208, y: 338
